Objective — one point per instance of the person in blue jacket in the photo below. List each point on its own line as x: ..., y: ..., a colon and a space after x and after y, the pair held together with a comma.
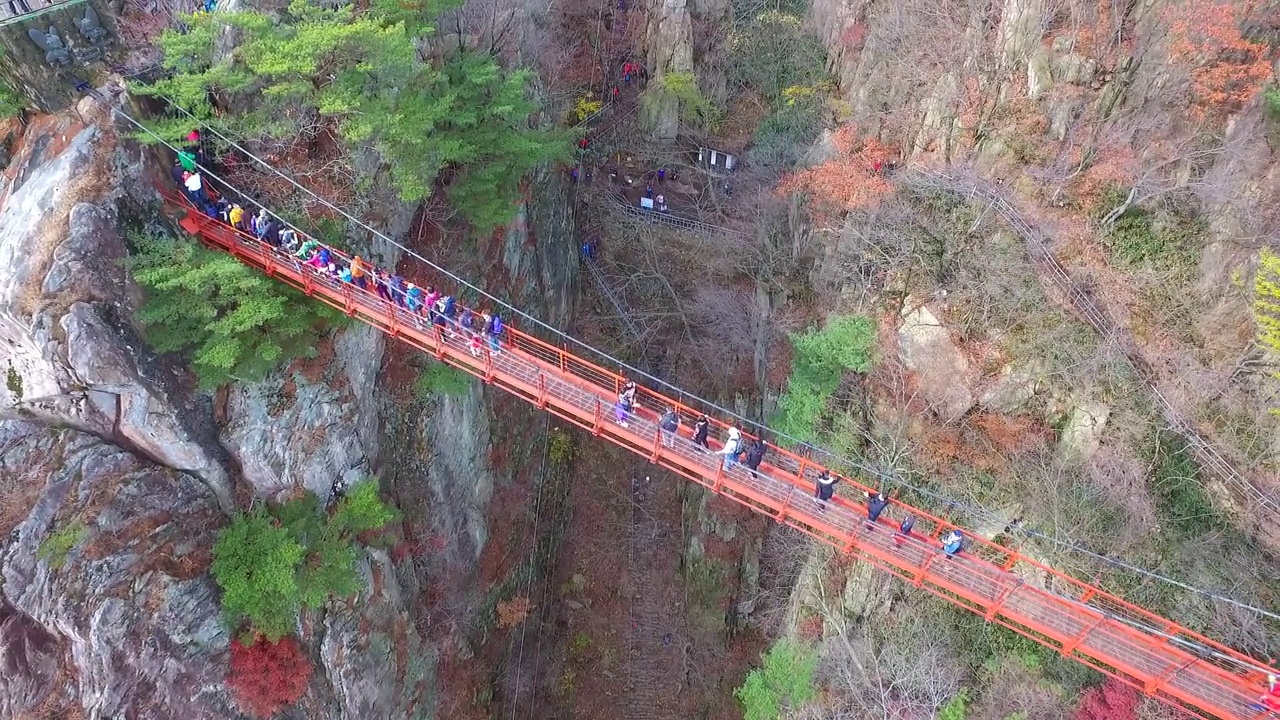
x: 952, y: 543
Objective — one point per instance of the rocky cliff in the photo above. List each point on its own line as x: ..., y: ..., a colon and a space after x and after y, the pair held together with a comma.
x: 116, y: 475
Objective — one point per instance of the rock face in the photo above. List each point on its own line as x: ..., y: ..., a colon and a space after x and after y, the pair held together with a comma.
x: 943, y: 371
x: 670, y: 41
x: 126, y: 593
x: 71, y: 360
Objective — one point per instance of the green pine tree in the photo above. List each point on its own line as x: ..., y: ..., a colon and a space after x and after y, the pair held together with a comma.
x: 233, y: 321
x: 271, y: 564
x: 362, y: 69
x: 784, y: 682
x: 255, y: 563
x: 820, y: 359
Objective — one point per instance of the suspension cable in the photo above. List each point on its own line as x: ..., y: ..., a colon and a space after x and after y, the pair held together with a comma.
x: 863, y: 467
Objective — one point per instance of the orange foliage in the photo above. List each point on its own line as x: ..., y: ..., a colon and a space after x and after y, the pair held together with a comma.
x: 1111, y: 163
x: 854, y: 178
x: 1228, y: 70
x: 1013, y: 435
x: 513, y: 612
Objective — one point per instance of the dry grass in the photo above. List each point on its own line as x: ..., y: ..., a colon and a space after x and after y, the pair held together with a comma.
x: 18, y: 494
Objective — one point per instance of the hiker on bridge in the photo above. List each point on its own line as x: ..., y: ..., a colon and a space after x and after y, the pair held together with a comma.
x: 622, y: 409
x: 904, y: 529
x: 825, y: 488
x: 670, y: 424
x: 755, y: 456
x: 876, y: 503
x: 953, y: 543
x: 732, y: 446
x: 700, y: 431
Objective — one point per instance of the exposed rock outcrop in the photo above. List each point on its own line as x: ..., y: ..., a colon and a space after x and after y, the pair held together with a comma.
x: 74, y: 359
x: 928, y: 351
x: 139, y: 471
x: 111, y: 561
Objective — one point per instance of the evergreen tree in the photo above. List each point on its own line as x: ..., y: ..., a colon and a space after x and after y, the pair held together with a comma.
x: 820, y: 360
x: 272, y: 564
x: 235, y: 323
x: 363, y: 70
x: 255, y: 563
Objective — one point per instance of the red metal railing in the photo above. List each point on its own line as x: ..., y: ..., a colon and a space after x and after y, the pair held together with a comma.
x: 1083, y: 622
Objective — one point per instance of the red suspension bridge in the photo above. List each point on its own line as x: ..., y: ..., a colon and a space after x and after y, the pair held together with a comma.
x: 1081, y: 621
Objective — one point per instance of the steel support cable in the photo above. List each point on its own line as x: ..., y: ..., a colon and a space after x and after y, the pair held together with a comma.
x: 537, y: 521
x: 833, y: 459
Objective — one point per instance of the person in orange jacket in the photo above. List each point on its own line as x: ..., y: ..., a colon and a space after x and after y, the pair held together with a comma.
x: 359, y: 272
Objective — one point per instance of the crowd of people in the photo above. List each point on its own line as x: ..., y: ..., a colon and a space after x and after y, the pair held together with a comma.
x: 478, y: 329
x: 482, y: 329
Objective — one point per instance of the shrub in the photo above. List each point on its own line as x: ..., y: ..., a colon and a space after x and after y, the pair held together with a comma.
x: 773, y: 52
x: 561, y: 450
x: 60, y: 543
x: 784, y: 681
x: 820, y: 360
x: 1181, y: 497
x: 791, y: 127
x: 13, y: 381
x: 1113, y: 700
x: 271, y: 564
x: 681, y: 88
x: 361, y: 510
x: 441, y: 379
x: 956, y: 708
x: 266, y: 676
x: 1266, y: 302
x: 235, y: 323
x: 255, y: 562
x: 513, y: 612
x: 1271, y: 104
x: 1160, y: 240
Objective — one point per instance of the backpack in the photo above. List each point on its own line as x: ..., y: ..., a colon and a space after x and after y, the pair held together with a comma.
x: 670, y: 421
x: 448, y: 305
x: 497, y: 325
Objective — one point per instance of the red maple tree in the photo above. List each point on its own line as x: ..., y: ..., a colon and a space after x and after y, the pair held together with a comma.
x: 1228, y: 70
x: 1112, y: 700
x: 854, y: 177
x: 265, y: 677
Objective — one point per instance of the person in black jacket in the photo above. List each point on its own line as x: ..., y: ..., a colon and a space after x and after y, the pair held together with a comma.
x: 824, y: 489
x: 755, y: 455
x: 670, y: 423
x: 876, y: 503
x: 700, y: 431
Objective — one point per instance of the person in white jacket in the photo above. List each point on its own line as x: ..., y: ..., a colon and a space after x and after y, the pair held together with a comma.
x: 731, y: 448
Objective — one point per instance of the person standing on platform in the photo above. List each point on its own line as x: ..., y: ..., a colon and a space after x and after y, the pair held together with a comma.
x: 904, y: 529
x: 952, y: 543
x: 755, y: 456
x: 731, y: 448
x: 621, y: 409
x: 876, y: 503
